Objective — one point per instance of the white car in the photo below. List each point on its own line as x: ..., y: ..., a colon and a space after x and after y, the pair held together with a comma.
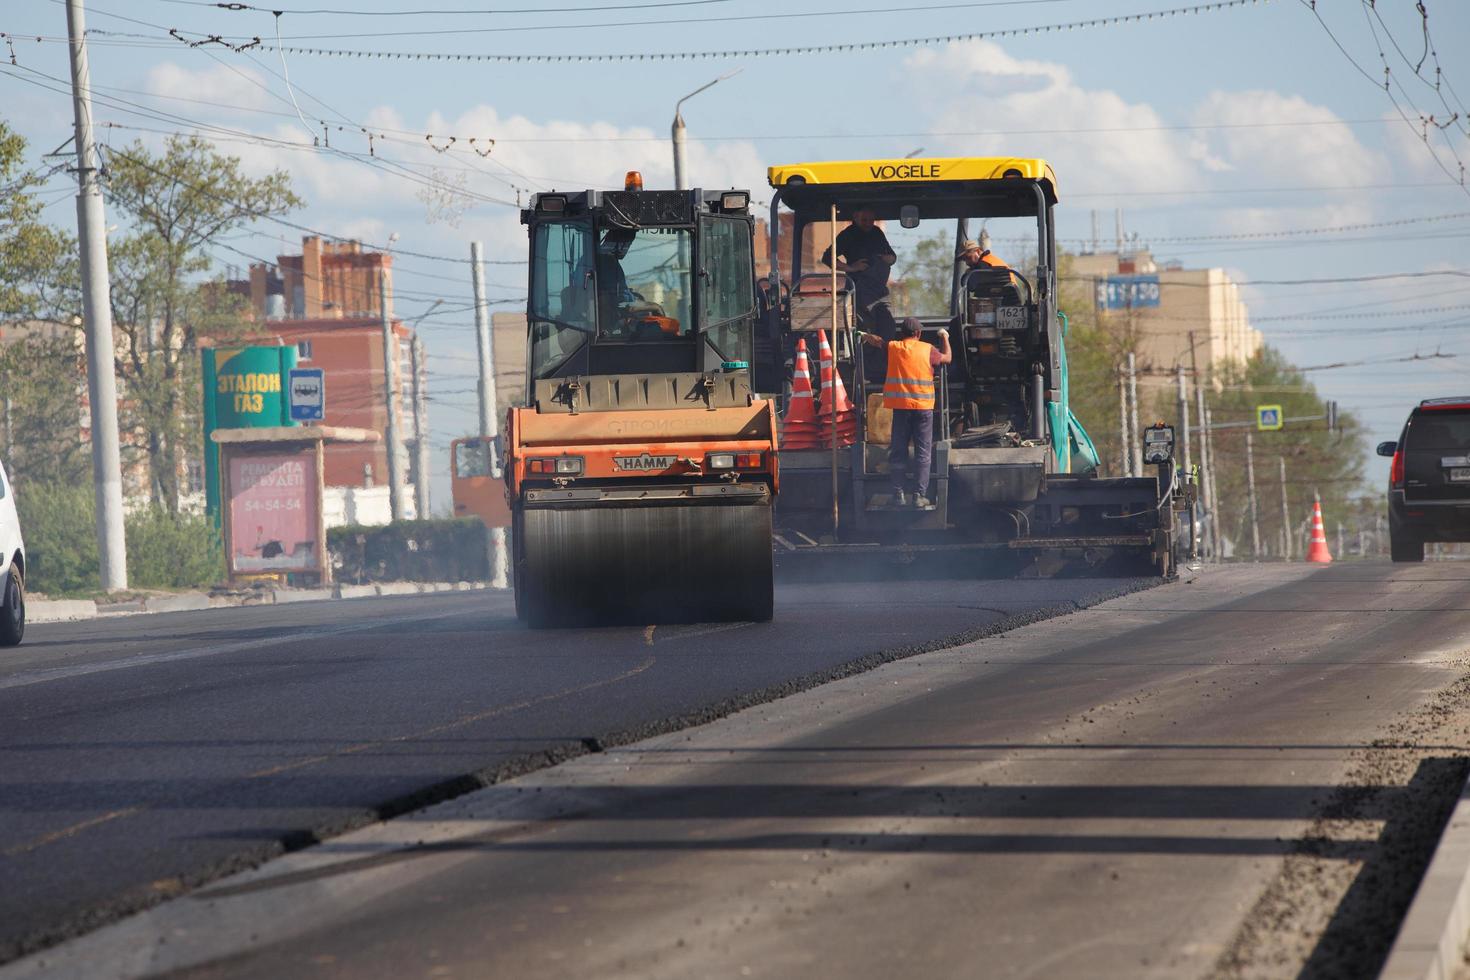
x: 12, y: 568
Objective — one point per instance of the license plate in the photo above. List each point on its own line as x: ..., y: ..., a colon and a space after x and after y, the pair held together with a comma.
x: 1460, y: 474
x: 1012, y: 317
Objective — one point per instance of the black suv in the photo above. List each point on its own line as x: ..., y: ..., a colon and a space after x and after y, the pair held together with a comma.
x: 1429, y: 481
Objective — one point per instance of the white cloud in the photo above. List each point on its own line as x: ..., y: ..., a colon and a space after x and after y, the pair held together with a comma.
x: 1306, y: 145
x: 512, y: 156
x: 988, y: 89
x: 226, y: 87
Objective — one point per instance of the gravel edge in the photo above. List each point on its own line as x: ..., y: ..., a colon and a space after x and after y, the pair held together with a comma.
x: 1431, y: 943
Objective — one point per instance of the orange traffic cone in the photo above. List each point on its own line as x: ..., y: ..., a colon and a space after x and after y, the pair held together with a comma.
x: 1317, y: 550
x: 833, y: 391
x: 799, y: 427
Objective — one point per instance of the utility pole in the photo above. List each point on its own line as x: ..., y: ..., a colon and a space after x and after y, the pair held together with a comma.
x: 484, y: 344
x: 1285, y: 513
x: 1125, y: 445
x: 97, y: 315
x: 1213, y: 488
x: 1250, y: 480
x: 392, y: 430
x: 489, y: 411
x: 1206, y: 453
x: 419, y: 365
x: 1135, y: 463
x: 1184, y: 416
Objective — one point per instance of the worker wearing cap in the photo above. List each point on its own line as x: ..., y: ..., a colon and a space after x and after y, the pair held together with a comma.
x: 976, y: 254
x: 908, y: 390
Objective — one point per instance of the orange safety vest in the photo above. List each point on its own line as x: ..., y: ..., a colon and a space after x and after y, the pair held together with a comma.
x: 910, y: 382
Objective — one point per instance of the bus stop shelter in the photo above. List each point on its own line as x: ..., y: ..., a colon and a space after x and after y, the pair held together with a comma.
x: 271, y: 488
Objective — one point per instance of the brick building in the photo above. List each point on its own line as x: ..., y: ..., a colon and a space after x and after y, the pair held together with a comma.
x: 326, y: 302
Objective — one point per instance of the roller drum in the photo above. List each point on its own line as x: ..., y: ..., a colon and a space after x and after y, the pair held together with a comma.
x: 644, y: 564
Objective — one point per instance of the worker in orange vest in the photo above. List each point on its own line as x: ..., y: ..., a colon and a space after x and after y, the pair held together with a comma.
x: 975, y: 254
x: 909, y: 391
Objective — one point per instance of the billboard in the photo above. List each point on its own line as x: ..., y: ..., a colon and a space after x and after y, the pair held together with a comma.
x: 1127, y: 292
x: 244, y: 388
x: 272, y: 512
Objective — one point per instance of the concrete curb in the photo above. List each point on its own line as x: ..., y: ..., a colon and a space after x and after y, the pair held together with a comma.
x: 71, y: 610
x: 59, y: 610
x: 1431, y: 942
x: 184, y: 602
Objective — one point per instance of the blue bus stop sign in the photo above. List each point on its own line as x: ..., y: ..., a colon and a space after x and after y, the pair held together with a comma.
x: 308, y: 394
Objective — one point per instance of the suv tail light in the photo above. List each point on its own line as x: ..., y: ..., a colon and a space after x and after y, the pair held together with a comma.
x: 1396, y: 471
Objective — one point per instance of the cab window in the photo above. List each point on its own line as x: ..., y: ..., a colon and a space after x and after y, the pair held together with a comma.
x: 643, y: 283
x: 728, y: 299
x: 562, y: 303
x: 472, y: 459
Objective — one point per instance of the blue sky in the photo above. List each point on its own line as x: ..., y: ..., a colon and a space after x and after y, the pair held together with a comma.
x: 1248, y: 121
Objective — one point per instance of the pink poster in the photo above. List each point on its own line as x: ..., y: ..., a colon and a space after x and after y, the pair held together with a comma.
x: 272, y: 520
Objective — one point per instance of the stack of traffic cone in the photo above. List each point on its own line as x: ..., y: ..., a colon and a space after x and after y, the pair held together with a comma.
x: 834, y: 407
x: 799, y: 428
x: 1317, y: 550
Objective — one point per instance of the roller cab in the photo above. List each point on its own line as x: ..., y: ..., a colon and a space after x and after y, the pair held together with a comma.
x: 642, y: 471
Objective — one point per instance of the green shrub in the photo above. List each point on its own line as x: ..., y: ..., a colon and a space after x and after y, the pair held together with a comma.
x: 411, y: 551
x: 173, y: 551
x: 60, y: 530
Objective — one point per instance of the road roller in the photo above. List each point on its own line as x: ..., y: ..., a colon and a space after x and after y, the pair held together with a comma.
x: 641, y: 470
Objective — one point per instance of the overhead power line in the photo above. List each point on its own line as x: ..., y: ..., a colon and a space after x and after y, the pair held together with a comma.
x: 422, y: 12
x: 777, y: 52
x: 662, y: 22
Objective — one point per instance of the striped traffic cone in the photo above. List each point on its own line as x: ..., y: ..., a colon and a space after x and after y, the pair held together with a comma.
x: 799, y: 427
x: 833, y: 391
x: 1317, y: 550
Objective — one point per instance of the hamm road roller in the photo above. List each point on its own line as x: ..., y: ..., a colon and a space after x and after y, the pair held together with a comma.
x: 641, y: 470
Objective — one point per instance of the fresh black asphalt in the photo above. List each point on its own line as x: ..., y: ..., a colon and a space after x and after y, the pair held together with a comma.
x: 143, y: 755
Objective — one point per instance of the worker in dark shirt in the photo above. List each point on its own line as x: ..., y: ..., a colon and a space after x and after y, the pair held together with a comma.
x: 864, y: 254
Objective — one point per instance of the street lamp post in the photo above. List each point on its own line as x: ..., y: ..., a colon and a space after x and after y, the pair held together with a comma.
x: 680, y: 167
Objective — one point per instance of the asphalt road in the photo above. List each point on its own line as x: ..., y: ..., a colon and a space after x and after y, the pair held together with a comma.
x: 141, y: 756
x: 1235, y: 776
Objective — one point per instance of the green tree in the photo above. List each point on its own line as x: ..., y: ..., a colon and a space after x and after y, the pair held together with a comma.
x: 1094, y: 352
x: 179, y: 202
x: 41, y: 374
x: 38, y: 264
x: 1317, y: 461
x: 42, y: 380
x: 926, y: 273
x: 60, y: 526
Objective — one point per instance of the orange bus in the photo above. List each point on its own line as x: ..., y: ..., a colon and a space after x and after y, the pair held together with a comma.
x: 478, y: 491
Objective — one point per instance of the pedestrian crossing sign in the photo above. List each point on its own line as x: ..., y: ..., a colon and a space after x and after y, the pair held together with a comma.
x: 1269, y: 417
